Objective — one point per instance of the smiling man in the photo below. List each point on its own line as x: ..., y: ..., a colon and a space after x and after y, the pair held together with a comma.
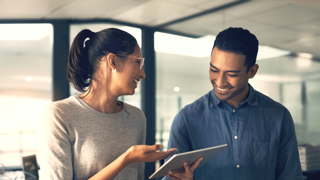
x: 258, y: 130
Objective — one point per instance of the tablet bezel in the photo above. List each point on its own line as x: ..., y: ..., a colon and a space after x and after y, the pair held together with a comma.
x: 175, y: 163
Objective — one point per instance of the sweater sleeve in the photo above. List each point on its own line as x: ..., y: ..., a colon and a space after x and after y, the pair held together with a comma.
x: 54, y: 148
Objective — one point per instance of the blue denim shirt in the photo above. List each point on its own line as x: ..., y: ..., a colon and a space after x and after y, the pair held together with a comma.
x: 259, y: 132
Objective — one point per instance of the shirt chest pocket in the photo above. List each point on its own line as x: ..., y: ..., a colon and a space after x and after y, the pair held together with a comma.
x: 264, y: 155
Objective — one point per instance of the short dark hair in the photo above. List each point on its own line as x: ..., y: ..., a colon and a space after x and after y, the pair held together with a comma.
x: 240, y: 41
x: 85, y: 55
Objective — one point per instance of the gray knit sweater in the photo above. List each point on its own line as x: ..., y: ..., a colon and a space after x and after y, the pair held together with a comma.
x: 77, y: 141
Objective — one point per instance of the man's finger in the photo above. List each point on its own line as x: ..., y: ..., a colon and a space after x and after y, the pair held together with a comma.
x: 196, y: 164
x: 187, y: 168
x: 175, y: 174
x: 172, y: 177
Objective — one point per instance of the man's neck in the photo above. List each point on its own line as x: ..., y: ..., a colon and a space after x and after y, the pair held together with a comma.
x: 235, y: 101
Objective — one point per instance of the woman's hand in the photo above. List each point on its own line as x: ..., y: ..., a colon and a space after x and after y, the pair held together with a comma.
x: 187, y: 174
x: 145, y: 153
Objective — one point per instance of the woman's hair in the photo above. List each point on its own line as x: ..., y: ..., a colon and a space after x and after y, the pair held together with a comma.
x: 85, y: 55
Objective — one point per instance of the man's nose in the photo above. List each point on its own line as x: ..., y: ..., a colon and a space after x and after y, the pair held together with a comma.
x: 221, y: 80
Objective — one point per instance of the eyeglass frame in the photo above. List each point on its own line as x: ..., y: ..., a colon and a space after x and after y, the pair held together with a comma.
x: 139, y: 58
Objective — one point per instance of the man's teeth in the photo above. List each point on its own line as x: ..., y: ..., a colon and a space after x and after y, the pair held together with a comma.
x: 222, y: 89
x: 135, y: 81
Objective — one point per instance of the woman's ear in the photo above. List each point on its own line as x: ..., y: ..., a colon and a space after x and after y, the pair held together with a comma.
x: 111, y: 61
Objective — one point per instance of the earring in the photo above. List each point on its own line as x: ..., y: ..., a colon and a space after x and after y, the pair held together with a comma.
x: 114, y: 70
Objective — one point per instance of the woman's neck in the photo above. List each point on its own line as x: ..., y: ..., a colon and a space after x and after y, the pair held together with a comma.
x: 101, y: 99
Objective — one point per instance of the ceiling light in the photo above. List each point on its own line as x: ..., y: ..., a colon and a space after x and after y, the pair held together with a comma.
x: 176, y: 89
x: 28, y: 79
x: 304, y: 60
x: 266, y: 52
x: 305, y: 55
x: 9, y: 32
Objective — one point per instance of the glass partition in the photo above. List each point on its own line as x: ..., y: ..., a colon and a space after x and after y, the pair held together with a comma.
x: 183, y: 76
x: 25, y: 87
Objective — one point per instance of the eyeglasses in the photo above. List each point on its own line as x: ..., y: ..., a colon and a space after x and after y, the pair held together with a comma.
x: 141, y: 61
x: 138, y: 58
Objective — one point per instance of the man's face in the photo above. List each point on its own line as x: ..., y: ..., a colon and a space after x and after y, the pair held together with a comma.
x: 228, y: 75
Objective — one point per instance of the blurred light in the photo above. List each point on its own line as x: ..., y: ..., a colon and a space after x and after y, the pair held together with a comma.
x: 181, y: 45
x: 28, y: 78
x: 303, y: 63
x: 9, y: 32
x: 176, y: 89
x: 277, y: 78
x: 305, y: 55
x: 202, y: 47
x: 266, y: 52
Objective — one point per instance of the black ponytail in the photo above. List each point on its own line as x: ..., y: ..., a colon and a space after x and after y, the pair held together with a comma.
x: 84, y: 58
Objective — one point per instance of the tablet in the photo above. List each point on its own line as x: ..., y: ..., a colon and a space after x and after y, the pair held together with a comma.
x: 175, y: 163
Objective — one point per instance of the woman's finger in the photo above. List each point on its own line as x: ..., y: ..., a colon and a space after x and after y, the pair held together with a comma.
x: 163, y: 154
x: 155, y: 147
x: 196, y: 164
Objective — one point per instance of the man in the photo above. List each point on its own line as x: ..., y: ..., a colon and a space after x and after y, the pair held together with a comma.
x: 259, y: 131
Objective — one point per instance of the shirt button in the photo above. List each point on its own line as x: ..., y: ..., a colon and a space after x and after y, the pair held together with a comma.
x: 233, y: 110
x: 238, y: 166
x: 235, y: 137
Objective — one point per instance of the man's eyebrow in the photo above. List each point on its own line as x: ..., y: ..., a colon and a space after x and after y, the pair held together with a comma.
x: 234, y: 71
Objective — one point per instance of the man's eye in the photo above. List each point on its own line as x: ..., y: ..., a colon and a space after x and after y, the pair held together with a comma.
x: 213, y: 70
x: 232, y: 75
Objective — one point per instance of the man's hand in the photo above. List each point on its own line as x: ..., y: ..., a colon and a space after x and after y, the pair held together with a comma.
x: 187, y: 174
x: 145, y: 153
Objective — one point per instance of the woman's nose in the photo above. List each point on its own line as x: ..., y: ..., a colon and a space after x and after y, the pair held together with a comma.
x: 142, y: 74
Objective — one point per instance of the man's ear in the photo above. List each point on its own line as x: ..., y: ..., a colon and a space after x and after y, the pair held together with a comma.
x: 253, y: 71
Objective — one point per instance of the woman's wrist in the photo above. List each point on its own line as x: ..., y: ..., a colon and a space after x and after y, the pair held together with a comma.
x: 127, y: 157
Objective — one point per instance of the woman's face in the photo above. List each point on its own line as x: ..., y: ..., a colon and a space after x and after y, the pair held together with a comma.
x: 128, y: 75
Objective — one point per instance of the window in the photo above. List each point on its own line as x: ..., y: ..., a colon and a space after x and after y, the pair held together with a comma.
x: 25, y: 87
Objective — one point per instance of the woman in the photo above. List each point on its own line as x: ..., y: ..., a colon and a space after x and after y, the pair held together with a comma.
x: 94, y: 135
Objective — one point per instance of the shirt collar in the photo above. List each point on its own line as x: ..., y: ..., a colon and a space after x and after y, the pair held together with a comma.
x: 252, y: 98
x: 214, y: 101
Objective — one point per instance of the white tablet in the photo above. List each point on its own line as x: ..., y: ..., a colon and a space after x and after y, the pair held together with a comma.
x: 175, y: 163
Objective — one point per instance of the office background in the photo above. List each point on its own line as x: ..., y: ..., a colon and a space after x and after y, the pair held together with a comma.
x: 176, y: 37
